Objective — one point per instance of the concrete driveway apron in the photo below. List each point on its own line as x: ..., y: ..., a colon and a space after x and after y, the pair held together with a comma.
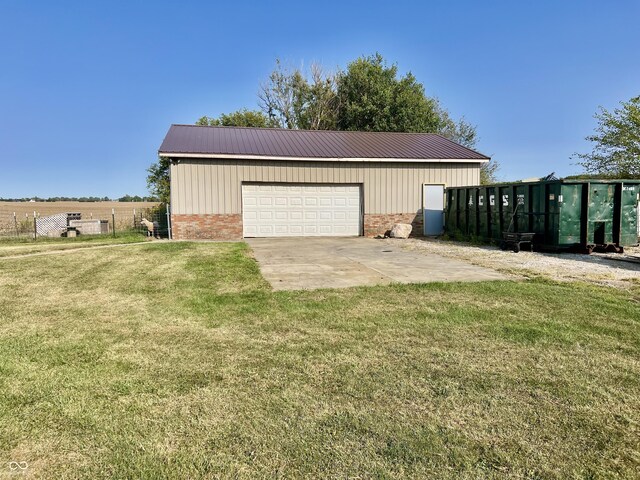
x: 331, y: 262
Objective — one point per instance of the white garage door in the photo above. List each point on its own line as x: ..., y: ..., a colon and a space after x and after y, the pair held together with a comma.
x: 279, y: 210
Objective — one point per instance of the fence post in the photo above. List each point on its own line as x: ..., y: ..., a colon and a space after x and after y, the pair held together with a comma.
x: 168, y: 222
x: 113, y: 220
x: 15, y: 222
x: 134, y: 218
x: 35, y: 226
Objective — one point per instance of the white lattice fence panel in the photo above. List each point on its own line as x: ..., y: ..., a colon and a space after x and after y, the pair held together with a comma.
x: 51, y: 222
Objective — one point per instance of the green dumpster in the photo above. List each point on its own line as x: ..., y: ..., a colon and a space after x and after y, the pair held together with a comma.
x: 472, y: 211
x: 484, y: 230
x: 562, y: 214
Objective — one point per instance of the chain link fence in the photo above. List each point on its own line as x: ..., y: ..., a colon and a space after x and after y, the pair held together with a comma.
x: 154, y: 223
x: 33, y: 225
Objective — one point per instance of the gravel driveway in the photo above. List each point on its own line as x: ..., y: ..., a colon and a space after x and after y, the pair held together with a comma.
x: 606, y: 269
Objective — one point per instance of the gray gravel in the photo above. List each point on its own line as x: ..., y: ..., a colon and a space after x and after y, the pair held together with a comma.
x: 606, y: 269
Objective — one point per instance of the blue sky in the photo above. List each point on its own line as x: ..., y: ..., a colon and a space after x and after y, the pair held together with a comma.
x: 88, y: 89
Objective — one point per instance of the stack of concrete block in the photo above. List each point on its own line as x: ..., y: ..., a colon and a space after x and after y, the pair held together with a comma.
x: 90, y: 227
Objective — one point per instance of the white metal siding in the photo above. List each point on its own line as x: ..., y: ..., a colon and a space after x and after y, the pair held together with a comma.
x: 279, y: 210
x: 205, y: 186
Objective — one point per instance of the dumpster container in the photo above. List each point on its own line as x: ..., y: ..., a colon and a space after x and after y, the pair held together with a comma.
x: 629, y: 215
x: 484, y: 230
x: 463, y: 224
x: 494, y: 213
x: 505, y: 206
x: 472, y: 211
x: 451, y: 211
x: 562, y: 214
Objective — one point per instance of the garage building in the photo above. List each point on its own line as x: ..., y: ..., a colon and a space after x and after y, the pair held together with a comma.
x: 233, y: 182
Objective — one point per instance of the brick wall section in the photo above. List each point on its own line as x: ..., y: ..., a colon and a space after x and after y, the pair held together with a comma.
x: 379, y: 224
x: 229, y: 227
x: 209, y: 227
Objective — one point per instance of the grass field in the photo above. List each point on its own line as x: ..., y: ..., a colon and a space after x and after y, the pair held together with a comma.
x: 10, y: 247
x: 97, y: 210
x: 176, y: 360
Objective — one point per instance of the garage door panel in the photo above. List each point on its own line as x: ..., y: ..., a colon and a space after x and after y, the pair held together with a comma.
x: 298, y: 210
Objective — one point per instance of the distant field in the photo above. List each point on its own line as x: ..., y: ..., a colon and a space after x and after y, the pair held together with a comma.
x: 97, y: 210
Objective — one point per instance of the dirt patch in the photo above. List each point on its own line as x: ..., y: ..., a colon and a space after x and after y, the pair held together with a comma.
x: 603, y: 269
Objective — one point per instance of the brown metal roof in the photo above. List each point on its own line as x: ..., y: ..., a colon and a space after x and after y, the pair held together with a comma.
x: 194, y: 140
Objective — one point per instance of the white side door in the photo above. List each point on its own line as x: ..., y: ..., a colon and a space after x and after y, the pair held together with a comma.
x: 433, y: 209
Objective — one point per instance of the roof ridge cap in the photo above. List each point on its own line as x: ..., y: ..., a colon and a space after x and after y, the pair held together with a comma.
x: 303, y: 130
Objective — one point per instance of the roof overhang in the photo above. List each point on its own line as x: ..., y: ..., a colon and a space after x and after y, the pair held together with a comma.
x: 223, y: 156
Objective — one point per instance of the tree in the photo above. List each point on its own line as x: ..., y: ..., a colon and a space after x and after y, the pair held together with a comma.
x: 617, y: 142
x: 239, y: 118
x: 460, y: 132
x: 295, y: 100
x: 318, y: 100
x: 489, y: 172
x: 133, y: 198
x: 373, y: 98
x: 158, y: 179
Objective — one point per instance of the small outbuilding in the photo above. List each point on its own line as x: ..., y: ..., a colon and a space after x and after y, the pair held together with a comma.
x: 233, y: 182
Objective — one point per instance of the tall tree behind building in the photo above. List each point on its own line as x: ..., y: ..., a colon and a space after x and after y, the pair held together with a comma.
x: 616, y: 152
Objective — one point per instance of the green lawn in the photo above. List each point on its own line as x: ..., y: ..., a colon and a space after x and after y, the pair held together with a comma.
x: 175, y: 360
